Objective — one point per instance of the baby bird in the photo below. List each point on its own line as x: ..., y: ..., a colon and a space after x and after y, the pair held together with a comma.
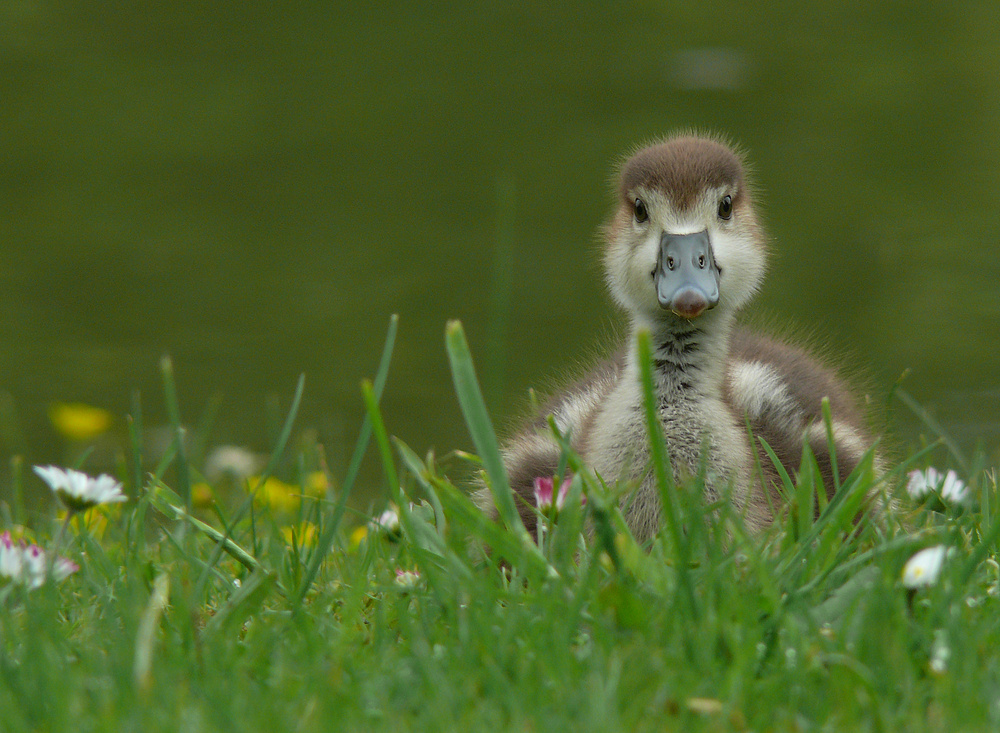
x: 683, y: 254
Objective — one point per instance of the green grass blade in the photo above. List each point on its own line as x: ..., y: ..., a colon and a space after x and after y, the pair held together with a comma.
x: 419, y: 471
x: 935, y: 427
x: 663, y: 470
x: 142, y: 665
x: 391, y: 475
x: 174, y: 414
x: 284, y: 435
x: 17, y: 488
x: 806, y: 489
x: 332, y: 525
x: 979, y: 553
x: 382, y: 441
x: 470, y: 399
x: 831, y: 444
x: 164, y: 501
x: 244, y: 602
x: 786, y: 481
x: 503, y: 543
x: 135, y: 432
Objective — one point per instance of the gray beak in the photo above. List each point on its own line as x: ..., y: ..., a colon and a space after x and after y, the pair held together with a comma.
x: 686, y: 276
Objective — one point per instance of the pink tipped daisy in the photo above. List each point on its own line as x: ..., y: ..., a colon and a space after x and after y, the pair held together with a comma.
x: 36, y: 565
x: 78, y: 491
x: 11, y: 559
x: 407, y: 578
x: 29, y: 566
x: 543, y: 492
x: 546, y: 498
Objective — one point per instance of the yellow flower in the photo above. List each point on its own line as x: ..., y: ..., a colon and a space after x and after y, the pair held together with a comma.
x: 94, y: 519
x: 316, y: 484
x: 304, y: 534
x: 276, y: 494
x: 77, y: 421
x: 358, y: 535
x: 202, y: 495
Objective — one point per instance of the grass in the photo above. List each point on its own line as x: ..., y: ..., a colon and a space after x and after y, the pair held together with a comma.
x: 190, y: 619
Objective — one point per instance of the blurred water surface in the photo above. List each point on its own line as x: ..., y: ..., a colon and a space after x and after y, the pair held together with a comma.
x: 255, y: 188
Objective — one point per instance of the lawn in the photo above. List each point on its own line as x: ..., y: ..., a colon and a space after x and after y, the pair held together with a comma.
x: 274, y: 606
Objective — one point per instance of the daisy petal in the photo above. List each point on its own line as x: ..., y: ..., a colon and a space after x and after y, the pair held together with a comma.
x: 924, y: 568
x: 77, y: 490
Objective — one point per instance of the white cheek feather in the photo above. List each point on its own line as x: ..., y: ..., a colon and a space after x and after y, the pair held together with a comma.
x: 616, y: 261
x: 643, y: 261
x: 630, y: 263
x: 742, y: 266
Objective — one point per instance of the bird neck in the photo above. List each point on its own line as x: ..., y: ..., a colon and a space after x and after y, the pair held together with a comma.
x: 689, y: 356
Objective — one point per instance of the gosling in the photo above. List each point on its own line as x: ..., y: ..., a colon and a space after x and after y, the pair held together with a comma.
x: 684, y: 253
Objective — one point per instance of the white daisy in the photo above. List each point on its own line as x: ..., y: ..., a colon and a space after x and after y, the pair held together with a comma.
x: 29, y: 565
x: 922, y: 483
x: 924, y: 568
x: 954, y: 490
x: 949, y: 487
x: 10, y: 559
x: 388, y: 523
x: 36, y: 564
x: 77, y: 490
x: 233, y: 461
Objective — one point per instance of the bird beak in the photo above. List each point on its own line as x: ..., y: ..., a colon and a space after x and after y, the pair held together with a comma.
x: 686, y: 276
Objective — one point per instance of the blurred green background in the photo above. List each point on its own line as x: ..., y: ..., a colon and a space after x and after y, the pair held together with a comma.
x: 254, y: 188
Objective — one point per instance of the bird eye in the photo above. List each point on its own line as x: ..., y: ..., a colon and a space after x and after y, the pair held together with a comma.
x: 726, y: 207
x: 641, y: 214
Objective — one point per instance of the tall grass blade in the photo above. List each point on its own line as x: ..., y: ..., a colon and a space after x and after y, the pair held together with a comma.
x: 470, y: 399
x: 979, y: 553
x: 786, y: 481
x: 142, y: 666
x: 332, y: 524
x: 420, y: 472
x: 242, y: 603
x: 163, y: 500
x: 831, y: 444
x: 174, y: 413
x: 135, y: 431
x: 286, y: 432
x: 664, y: 471
x: 935, y: 427
x: 382, y: 441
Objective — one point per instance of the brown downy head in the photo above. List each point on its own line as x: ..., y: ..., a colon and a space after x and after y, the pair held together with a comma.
x: 684, y: 240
